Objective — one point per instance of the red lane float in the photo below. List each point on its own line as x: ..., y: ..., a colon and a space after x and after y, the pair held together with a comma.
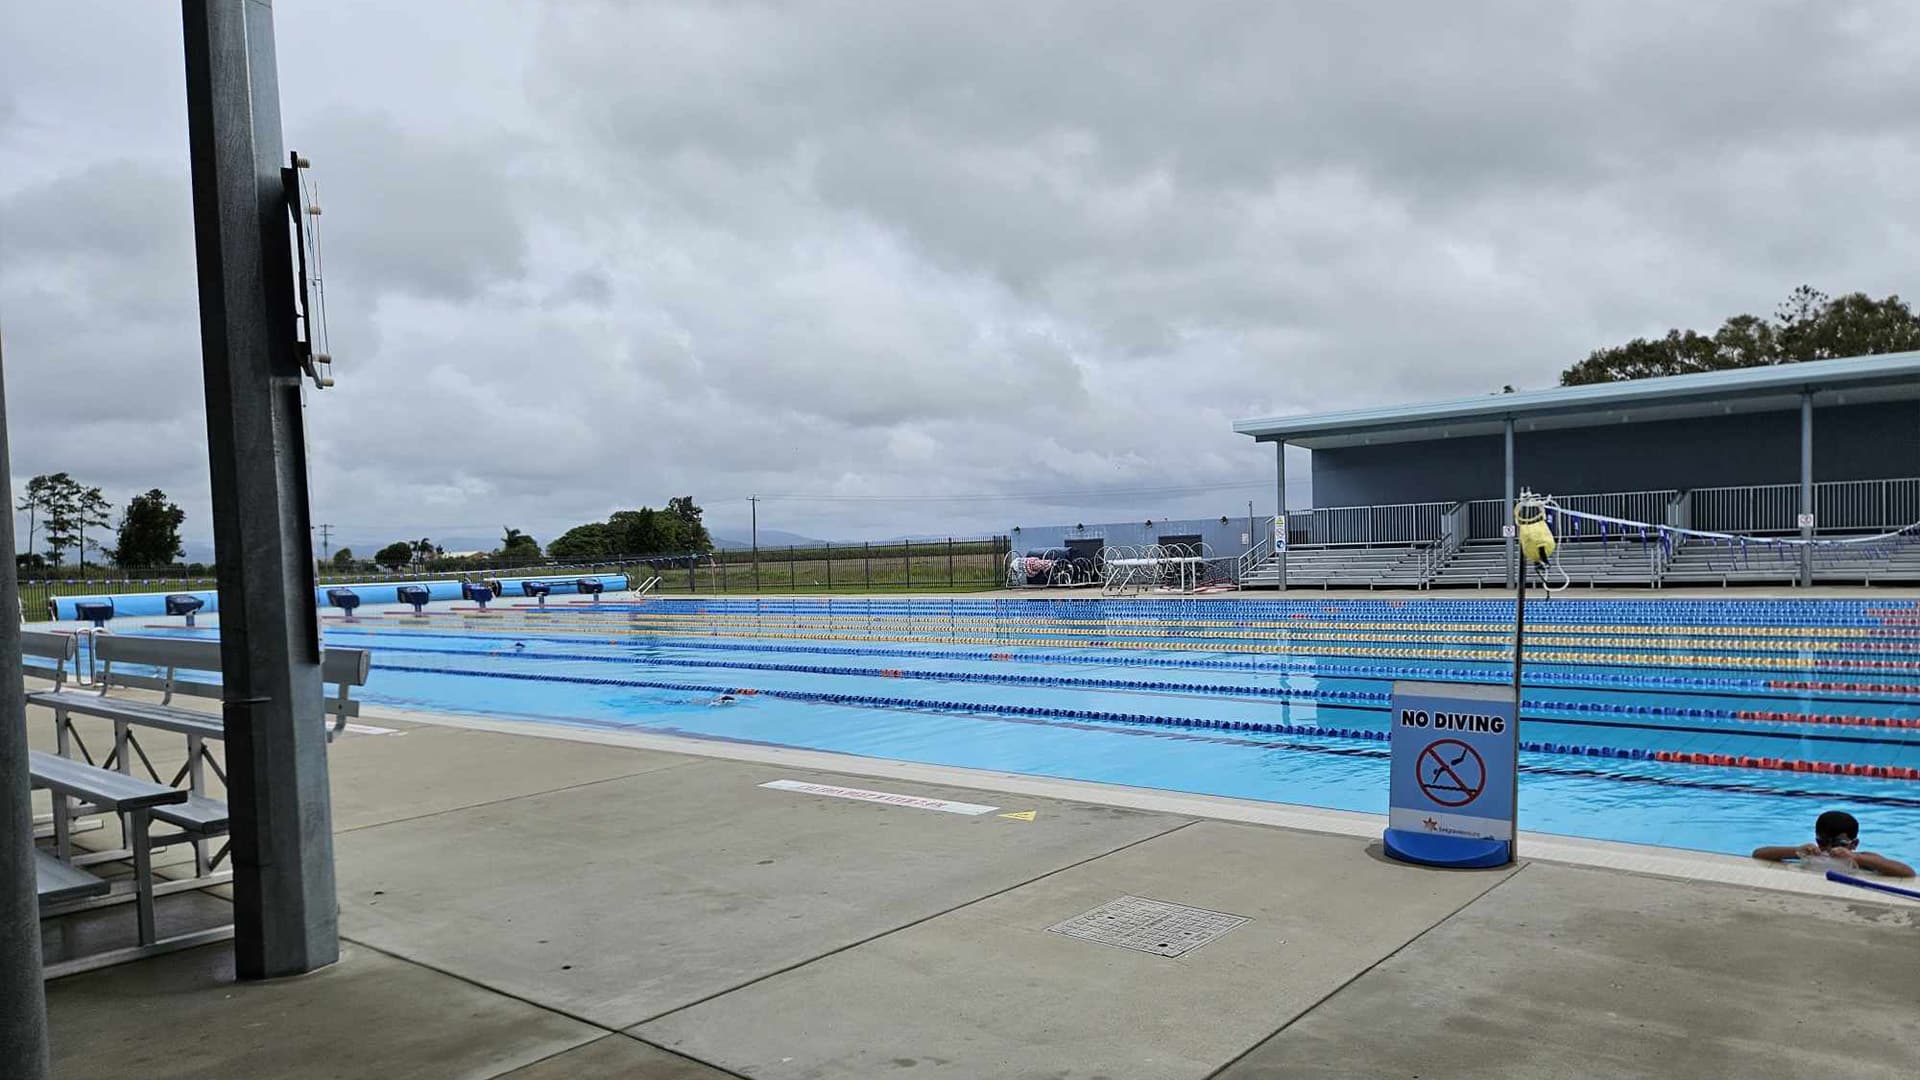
x: 1824, y: 768
x: 1816, y: 718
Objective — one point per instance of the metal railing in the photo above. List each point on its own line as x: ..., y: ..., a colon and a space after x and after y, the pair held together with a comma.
x: 1254, y: 558
x: 1838, y: 506
x: 1752, y: 508
x: 1395, y: 523
x: 1486, y: 516
x: 1866, y: 505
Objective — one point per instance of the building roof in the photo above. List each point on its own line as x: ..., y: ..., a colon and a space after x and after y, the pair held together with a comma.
x: 1856, y: 380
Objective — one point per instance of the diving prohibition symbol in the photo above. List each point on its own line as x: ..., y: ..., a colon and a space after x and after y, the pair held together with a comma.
x: 1451, y: 773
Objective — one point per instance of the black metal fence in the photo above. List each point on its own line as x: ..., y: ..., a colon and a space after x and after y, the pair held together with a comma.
x: 952, y: 564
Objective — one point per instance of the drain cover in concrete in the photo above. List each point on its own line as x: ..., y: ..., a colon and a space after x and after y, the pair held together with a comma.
x: 1151, y: 926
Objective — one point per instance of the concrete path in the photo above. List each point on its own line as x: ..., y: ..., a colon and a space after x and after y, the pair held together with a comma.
x: 540, y: 908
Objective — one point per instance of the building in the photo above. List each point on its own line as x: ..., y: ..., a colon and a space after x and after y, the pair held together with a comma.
x: 1820, y: 447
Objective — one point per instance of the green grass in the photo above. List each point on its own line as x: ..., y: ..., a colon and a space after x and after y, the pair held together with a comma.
x: 840, y: 571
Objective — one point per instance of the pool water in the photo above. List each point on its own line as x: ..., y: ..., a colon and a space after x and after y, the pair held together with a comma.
x: 1709, y: 724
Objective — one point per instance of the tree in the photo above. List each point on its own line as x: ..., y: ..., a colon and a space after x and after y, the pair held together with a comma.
x: 149, y: 531
x: 59, y: 501
x: 394, y: 555
x: 343, y: 559
x: 646, y: 531
x: 694, y: 534
x: 582, y: 543
x: 35, y: 500
x: 518, y: 546
x: 424, y: 549
x: 1808, y: 325
x: 93, y: 511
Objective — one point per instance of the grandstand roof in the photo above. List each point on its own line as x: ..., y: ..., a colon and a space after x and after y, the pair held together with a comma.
x: 1856, y: 380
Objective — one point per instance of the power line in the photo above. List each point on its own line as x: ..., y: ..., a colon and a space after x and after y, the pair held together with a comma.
x: 1026, y: 496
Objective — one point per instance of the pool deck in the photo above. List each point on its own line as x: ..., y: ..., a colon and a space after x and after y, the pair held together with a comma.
x: 538, y: 902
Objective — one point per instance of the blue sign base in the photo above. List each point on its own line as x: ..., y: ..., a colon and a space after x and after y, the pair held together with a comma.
x: 1455, y: 851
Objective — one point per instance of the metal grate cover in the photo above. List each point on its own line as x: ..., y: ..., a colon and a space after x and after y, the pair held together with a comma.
x: 1149, y: 926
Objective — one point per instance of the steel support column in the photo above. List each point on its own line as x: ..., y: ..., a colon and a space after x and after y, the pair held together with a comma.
x: 1281, y: 526
x: 1806, y: 487
x: 284, y: 911
x: 1506, y: 524
x: 23, y: 1000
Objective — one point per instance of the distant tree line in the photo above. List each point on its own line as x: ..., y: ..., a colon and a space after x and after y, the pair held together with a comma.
x: 676, y: 529
x: 1809, y: 325
x: 66, y: 516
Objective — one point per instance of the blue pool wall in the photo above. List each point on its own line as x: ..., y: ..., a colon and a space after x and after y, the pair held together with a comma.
x: 147, y: 605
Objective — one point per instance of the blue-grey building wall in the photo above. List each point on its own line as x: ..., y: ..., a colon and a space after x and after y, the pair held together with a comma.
x: 1850, y: 442
x: 1222, y: 537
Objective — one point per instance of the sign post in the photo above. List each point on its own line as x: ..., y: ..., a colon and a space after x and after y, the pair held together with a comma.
x: 1452, y: 794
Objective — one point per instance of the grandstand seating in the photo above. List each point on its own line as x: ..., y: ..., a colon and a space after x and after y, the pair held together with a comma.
x: 1393, y: 566
x: 1587, y: 563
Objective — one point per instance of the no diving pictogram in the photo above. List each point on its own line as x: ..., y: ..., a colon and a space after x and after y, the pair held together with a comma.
x: 1450, y: 772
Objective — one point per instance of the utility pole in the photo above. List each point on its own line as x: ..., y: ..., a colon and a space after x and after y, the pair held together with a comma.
x: 754, y: 502
x: 285, y: 913
x: 326, y: 541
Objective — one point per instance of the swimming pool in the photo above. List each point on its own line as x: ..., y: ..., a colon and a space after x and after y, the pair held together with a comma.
x: 1706, y: 724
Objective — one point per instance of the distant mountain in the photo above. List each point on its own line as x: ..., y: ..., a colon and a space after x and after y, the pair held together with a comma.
x: 769, y: 538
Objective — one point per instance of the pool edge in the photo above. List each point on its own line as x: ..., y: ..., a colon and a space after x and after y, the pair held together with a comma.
x: 1676, y: 863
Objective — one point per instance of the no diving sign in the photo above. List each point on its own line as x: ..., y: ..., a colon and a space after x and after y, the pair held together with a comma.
x: 1451, y: 797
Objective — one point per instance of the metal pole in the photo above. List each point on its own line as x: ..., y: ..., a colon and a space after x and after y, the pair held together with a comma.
x: 1507, y: 526
x: 949, y: 564
x: 285, y: 912
x: 866, y: 558
x: 23, y: 999
x: 793, y: 578
x: 829, y: 566
x: 1519, y: 644
x: 754, y: 502
x: 909, y: 564
x: 1280, y: 525
x: 1806, y: 488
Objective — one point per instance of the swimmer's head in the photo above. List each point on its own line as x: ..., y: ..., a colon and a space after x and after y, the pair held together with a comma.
x: 1836, y: 829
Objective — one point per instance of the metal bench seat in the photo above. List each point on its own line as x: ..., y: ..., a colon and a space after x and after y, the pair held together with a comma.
x: 56, y: 881
x: 199, y: 814
x: 135, y: 800
x: 145, y: 713
x: 104, y: 788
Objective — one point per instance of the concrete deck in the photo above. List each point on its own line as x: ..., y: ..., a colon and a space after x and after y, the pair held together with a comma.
x: 575, y: 904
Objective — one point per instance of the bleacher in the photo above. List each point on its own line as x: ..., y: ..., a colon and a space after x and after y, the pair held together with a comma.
x: 1458, y: 545
x: 1396, y: 566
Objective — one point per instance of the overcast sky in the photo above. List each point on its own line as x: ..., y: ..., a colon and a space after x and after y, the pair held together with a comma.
x: 582, y: 256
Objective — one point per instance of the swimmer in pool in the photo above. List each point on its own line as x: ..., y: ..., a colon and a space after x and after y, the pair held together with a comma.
x: 724, y: 699
x: 1836, y: 837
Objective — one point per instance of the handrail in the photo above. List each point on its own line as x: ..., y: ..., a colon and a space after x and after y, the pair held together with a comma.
x: 1252, y: 560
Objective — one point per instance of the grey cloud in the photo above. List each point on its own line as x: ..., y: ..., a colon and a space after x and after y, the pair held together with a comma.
x: 587, y: 255
x: 448, y: 227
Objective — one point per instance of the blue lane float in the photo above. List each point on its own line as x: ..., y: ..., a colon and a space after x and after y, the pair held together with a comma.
x: 149, y: 605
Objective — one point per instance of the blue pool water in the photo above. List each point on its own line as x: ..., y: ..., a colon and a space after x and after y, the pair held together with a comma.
x: 1278, y: 700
